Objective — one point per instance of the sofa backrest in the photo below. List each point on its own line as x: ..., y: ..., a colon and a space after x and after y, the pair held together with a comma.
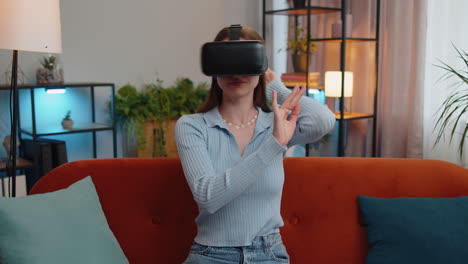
x: 150, y: 208
x: 320, y: 208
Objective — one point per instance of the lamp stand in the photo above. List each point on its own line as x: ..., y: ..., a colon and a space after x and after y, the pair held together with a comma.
x: 11, y: 162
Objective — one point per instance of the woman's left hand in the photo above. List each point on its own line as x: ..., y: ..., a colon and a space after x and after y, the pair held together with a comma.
x: 283, y: 129
x: 269, y: 76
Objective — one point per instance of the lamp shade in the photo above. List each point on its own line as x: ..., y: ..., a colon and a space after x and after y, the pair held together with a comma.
x: 30, y: 25
x: 333, y: 84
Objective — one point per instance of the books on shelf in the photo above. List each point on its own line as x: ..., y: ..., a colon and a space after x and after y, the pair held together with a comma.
x: 59, y: 151
x: 45, y: 155
x: 300, y: 83
x: 313, y: 76
x: 292, y: 78
x: 41, y: 156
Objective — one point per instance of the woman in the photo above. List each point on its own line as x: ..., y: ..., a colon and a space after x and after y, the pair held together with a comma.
x: 232, y: 156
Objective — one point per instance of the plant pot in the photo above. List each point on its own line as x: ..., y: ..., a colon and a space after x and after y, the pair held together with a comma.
x: 67, y: 124
x: 299, y: 3
x: 159, y: 140
x: 46, y: 76
x: 300, y: 62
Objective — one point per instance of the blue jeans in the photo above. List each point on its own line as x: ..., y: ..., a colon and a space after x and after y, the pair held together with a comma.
x: 267, y: 249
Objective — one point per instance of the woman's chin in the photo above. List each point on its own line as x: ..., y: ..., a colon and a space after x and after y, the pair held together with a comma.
x: 236, y: 93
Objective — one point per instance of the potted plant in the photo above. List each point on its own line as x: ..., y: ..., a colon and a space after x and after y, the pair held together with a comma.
x: 67, y: 122
x: 150, y: 115
x: 50, y: 73
x: 298, y: 47
x: 453, y: 112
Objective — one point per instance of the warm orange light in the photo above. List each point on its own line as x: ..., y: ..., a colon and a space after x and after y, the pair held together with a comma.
x: 333, y: 84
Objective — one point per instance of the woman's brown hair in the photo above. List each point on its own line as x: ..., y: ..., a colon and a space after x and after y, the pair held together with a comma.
x: 215, y: 96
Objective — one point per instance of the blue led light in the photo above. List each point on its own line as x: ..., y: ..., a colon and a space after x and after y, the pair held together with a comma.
x: 318, y: 95
x: 55, y: 91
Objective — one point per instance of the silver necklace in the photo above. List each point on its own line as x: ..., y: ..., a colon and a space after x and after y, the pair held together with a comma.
x: 243, y: 125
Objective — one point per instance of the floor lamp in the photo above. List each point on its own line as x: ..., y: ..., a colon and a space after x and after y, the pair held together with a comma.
x: 26, y: 25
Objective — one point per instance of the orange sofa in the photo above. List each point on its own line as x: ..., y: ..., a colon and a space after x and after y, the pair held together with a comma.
x: 150, y: 208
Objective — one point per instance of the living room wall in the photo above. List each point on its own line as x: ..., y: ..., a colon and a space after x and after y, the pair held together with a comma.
x: 125, y: 42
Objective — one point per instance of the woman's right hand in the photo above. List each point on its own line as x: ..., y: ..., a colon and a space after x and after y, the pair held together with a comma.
x: 283, y: 129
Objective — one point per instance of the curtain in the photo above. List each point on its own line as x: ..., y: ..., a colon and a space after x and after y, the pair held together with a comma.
x: 401, y: 82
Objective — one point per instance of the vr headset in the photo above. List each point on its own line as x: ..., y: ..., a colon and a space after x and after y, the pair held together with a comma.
x: 235, y: 57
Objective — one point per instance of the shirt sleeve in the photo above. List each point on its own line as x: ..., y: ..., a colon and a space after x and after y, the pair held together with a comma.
x: 315, y: 119
x: 213, y: 190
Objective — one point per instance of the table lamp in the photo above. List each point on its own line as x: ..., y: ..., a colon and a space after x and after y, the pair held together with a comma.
x: 26, y: 25
x: 333, y: 85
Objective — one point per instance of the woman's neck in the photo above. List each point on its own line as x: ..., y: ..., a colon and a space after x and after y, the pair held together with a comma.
x: 238, y: 112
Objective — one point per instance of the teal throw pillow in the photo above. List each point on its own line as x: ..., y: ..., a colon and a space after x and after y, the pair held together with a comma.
x: 416, y: 230
x: 66, y: 226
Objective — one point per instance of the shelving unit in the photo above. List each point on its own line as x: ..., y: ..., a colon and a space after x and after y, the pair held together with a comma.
x: 91, y: 127
x: 341, y: 116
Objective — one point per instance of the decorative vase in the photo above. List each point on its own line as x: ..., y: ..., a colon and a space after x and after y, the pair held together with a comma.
x: 67, y: 124
x: 337, y: 27
x: 47, y: 76
x: 300, y: 62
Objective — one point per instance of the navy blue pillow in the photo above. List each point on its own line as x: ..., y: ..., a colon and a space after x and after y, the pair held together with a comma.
x: 416, y: 230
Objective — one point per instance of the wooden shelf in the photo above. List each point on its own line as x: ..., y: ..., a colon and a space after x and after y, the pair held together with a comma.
x: 352, y: 115
x: 57, y: 85
x: 20, y: 163
x: 314, y: 10
x: 340, y: 39
x: 58, y: 129
x: 311, y: 85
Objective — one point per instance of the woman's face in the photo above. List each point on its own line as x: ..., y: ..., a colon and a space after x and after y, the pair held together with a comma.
x: 238, y: 85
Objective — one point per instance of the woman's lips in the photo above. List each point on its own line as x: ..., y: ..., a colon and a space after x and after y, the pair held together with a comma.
x: 236, y: 82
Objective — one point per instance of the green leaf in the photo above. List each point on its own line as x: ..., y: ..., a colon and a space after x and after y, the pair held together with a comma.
x: 455, y: 106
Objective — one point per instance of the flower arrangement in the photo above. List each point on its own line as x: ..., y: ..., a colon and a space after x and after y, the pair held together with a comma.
x: 299, y: 44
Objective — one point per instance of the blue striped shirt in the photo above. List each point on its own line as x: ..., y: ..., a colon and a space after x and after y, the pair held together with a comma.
x: 238, y: 196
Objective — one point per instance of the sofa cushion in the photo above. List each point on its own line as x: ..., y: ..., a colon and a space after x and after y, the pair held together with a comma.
x: 416, y: 230
x: 65, y: 226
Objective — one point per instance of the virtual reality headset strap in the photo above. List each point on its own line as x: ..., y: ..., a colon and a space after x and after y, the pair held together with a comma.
x: 234, y: 32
